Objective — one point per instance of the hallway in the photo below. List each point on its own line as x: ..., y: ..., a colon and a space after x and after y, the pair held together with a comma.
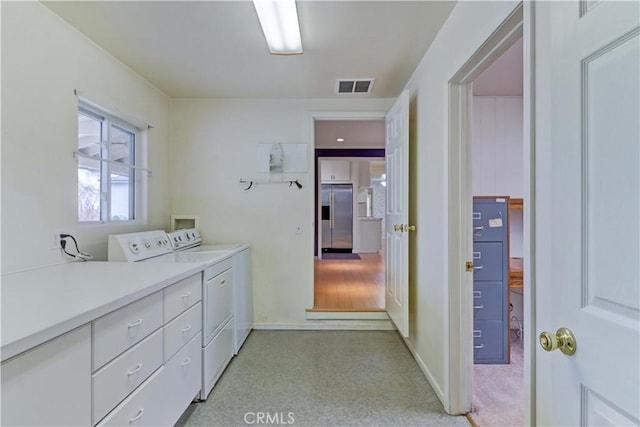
x: 349, y: 285
x: 321, y: 378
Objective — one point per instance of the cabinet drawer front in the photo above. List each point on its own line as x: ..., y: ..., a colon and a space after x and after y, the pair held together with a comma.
x: 143, y: 407
x: 488, y: 300
x: 489, y: 337
x: 181, y: 296
x: 489, y: 261
x: 184, y: 374
x: 119, y: 330
x: 117, y: 379
x: 181, y: 330
x: 489, y: 220
x: 216, y: 357
x: 218, y: 303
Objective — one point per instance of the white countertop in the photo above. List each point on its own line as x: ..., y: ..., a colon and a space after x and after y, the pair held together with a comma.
x: 40, y: 304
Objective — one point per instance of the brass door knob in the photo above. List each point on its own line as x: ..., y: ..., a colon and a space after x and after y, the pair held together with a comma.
x: 563, y: 339
x: 397, y: 227
x: 407, y: 228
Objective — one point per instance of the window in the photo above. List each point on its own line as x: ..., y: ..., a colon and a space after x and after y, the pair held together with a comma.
x: 106, y: 167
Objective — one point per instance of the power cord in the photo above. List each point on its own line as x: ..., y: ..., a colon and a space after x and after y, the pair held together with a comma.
x: 82, y: 256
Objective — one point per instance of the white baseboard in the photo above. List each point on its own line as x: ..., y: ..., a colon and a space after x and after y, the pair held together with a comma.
x: 347, y: 315
x: 427, y: 373
x: 368, y: 325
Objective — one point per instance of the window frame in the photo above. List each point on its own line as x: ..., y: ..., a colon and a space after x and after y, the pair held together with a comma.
x: 108, y: 121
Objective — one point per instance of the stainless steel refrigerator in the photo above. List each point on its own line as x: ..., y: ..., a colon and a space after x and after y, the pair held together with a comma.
x: 337, y: 217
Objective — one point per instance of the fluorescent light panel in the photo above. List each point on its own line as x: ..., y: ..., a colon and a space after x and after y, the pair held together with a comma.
x: 279, y: 21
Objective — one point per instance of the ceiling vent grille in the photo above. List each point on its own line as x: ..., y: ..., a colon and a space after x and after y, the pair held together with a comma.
x: 354, y: 85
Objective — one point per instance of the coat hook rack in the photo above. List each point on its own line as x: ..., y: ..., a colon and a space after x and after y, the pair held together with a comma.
x: 251, y: 183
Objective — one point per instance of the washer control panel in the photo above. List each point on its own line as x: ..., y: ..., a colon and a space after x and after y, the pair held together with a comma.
x: 138, y: 246
x: 184, y: 238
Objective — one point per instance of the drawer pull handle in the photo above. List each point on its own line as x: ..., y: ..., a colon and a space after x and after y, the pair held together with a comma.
x: 186, y: 328
x: 477, y: 255
x: 137, y: 417
x: 186, y: 362
x: 477, y: 334
x: 479, y: 228
x: 134, y: 370
x: 479, y: 267
x: 134, y: 324
x: 479, y: 307
x: 186, y: 294
x: 479, y: 346
x: 477, y: 294
x: 223, y: 282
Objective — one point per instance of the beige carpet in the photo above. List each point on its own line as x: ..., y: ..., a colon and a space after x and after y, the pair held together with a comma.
x: 498, y: 392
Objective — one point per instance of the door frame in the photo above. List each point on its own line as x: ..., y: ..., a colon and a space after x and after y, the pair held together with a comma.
x: 460, y: 89
x: 328, y: 115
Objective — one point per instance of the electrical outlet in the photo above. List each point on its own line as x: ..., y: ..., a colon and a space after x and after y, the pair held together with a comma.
x: 55, y: 243
x: 299, y: 229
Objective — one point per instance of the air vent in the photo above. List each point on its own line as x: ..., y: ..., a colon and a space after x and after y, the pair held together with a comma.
x: 354, y: 85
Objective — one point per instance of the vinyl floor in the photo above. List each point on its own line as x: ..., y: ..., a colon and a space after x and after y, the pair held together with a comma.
x: 322, y: 378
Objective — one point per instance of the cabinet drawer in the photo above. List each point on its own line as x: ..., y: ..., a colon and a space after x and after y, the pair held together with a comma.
x: 216, y: 357
x: 181, y: 296
x: 489, y: 261
x: 218, y: 303
x: 144, y: 407
x: 489, y: 220
x: 489, y: 341
x: 119, y: 330
x: 488, y: 300
x: 181, y: 329
x: 183, y: 373
x: 117, y: 379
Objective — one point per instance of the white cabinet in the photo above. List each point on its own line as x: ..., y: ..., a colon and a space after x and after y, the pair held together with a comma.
x: 49, y: 384
x: 242, y: 297
x: 335, y: 170
x: 132, y: 389
x: 497, y: 146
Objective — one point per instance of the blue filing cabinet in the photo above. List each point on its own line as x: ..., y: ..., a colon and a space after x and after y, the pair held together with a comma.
x: 490, y: 280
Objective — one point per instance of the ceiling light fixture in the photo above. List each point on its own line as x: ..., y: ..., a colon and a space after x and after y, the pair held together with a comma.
x: 340, y: 139
x: 279, y: 21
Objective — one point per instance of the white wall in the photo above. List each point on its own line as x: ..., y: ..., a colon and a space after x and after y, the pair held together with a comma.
x: 468, y: 26
x: 43, y: 61
x: 213, y: 144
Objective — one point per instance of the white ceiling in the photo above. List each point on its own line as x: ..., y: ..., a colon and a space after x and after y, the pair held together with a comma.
x: 217, y: 49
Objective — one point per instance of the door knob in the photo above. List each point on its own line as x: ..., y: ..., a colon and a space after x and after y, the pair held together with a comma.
x: 407, y: 228
x: 397, y: 227
x: 563, y: 339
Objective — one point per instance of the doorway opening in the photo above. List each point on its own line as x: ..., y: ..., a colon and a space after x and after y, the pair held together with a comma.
x: 465, y: 331
x: 349, y: 272
x: 497, y: 183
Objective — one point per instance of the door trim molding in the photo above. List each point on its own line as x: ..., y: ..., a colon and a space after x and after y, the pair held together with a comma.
x: 460, y: 361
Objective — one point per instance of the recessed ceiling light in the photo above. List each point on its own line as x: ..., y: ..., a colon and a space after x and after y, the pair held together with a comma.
x: 340, y: 139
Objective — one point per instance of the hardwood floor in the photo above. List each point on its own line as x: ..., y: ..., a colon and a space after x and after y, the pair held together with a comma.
x: 349, y: 285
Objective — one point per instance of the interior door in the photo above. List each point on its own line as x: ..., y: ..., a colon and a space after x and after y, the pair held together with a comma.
x: 397, y: 214
x: 587, y: 213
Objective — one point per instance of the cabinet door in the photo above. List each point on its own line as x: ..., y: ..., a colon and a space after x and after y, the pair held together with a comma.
x: 50, y: 384
x: 335, y: 170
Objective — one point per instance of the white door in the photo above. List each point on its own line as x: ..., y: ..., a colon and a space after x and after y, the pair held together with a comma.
x: 397, y: 214
x: 587, y: 213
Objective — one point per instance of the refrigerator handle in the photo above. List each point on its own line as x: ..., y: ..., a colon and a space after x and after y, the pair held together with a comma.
x: 332, y: 208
